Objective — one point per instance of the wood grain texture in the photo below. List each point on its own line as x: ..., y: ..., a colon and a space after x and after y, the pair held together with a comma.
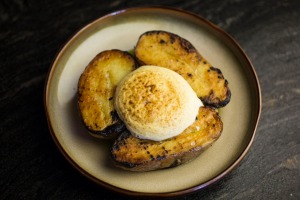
x: 31, y: 34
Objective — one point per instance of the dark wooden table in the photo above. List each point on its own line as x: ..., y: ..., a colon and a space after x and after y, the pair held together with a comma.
x: 31, y: 34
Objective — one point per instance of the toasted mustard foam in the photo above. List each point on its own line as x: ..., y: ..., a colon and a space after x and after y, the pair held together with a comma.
x: 156, y: 103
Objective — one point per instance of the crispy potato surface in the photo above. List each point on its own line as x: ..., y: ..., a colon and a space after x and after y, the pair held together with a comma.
x: 168, y: 50
x: 133, y: 154
x: 96, y: 89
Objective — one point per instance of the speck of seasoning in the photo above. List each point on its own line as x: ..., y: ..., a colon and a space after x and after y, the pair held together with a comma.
x: 172, y: 39
x: 151, y: 156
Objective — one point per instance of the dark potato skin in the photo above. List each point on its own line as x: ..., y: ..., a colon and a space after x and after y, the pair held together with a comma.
x: 111, y: 131
x: 168, y: 50
x: 96, y: 89
x: 133, y: 154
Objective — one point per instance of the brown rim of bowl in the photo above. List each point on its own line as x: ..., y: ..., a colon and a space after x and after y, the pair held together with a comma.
x: 167, y: 194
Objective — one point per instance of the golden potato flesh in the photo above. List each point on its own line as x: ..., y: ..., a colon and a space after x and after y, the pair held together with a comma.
x: 134, y: 154
x: 96, y: 89
x: 171, y: 51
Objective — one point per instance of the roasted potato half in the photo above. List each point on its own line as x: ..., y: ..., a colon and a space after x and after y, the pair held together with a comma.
x: 131, y: 153
x: 96, y: 88
x: 171, y: 51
